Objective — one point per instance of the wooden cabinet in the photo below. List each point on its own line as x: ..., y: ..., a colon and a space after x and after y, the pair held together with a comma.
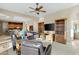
x: 60, y: 38
x: 60, y: 31
x: 14, y: 25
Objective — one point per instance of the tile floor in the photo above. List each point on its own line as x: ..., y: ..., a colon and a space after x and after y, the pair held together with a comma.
x: 59, y: 49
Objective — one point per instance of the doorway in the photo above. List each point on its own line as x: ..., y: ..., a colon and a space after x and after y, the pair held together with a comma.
x: 41, y: 28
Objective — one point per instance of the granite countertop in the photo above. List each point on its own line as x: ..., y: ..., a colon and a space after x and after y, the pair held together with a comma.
x: 4, y: 38
x: 4, y: 43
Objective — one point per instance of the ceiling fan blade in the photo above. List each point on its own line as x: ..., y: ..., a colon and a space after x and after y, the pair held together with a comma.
x: 31, y: 8
x: 40, y: 7
x: 42, y: 11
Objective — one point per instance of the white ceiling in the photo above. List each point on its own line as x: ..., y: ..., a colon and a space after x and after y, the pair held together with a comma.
x: 9, y: 9
x: 24, y: 7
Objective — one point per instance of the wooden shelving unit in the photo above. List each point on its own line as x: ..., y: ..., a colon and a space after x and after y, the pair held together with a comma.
x: 60, y: 31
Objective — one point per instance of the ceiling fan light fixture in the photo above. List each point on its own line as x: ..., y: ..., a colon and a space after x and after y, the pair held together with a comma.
x: 37, y: 3
x: 38, y: 9
x: 37, y: 13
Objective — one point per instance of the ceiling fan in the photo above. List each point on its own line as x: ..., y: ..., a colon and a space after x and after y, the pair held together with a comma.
x: 38, y: 9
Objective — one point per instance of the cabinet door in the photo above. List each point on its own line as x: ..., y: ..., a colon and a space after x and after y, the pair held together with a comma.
x: 60, y: 38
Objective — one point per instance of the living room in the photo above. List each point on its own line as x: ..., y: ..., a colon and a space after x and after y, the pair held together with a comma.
x: 55, y: 24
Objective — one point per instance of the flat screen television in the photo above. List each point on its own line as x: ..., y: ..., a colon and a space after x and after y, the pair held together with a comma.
x: 49, y: 27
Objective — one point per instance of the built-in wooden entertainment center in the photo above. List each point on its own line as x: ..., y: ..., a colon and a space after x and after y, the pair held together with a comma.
x: 59, y: 29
